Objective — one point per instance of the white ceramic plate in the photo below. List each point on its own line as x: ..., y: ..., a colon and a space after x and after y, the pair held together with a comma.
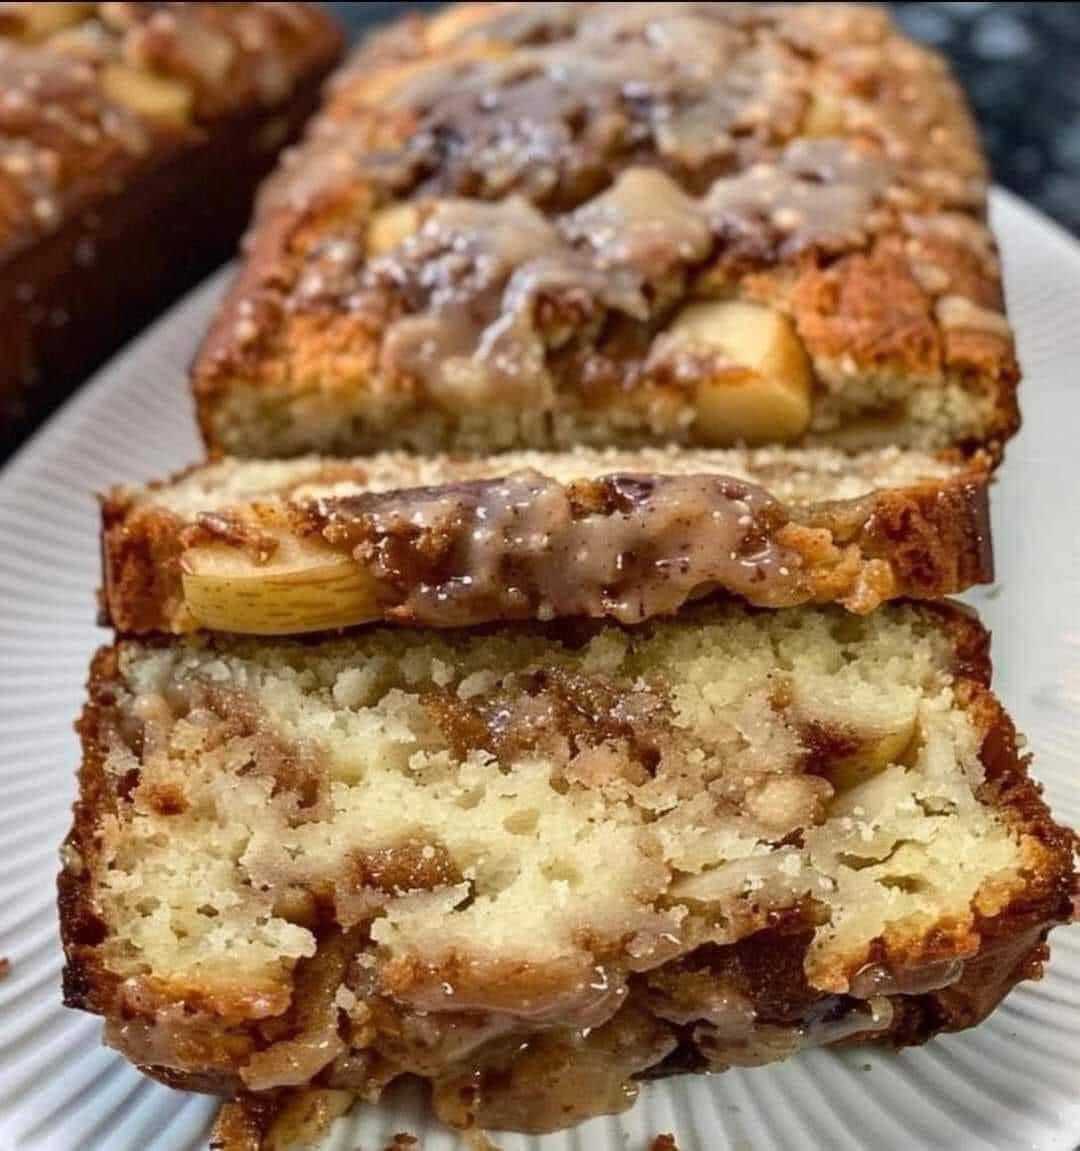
x: 1012, y: 1083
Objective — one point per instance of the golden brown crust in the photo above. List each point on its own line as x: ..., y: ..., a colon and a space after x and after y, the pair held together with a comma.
x: 923, y: 541
x: 298, y: 344
x: 86, y: 983
x: 141, y: 565
x: 206, y: 1046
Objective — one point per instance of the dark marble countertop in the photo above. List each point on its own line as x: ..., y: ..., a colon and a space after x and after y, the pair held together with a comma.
x: 1020, y: 65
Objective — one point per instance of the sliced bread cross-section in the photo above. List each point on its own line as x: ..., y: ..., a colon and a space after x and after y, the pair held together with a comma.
x: 315, y: 544
x: 532, y: 865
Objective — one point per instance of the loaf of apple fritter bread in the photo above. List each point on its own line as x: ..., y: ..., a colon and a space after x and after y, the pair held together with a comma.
x: 132, y: 138
x: 312, y: 544
x: 548, y: 224
x: 536, y: 863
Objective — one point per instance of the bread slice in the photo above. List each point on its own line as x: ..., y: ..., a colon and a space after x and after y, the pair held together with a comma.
x: 313, y: 544
x: 535, y: 864
x: 546, y: 226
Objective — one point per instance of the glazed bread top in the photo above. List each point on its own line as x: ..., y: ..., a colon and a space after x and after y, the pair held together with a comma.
x: 540, y: 225
x: 312, y: 544
x: 93, y: 93
x: 407, y: 851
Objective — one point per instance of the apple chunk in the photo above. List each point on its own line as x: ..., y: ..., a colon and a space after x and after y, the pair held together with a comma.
x: 305, y: 587
x: 888, y: 726
x: 390, y: 227
x: 878, y: 748
x: 760, y: 389
x: 825, y: 116
x: 155, y: 97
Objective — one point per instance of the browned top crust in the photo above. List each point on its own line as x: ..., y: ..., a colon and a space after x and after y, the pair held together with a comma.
x: 94, y: 93
x: 804, y: 157
x: 469, y: 543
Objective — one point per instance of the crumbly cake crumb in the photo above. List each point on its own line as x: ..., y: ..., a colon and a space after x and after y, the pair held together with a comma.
x: 544, y: 863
